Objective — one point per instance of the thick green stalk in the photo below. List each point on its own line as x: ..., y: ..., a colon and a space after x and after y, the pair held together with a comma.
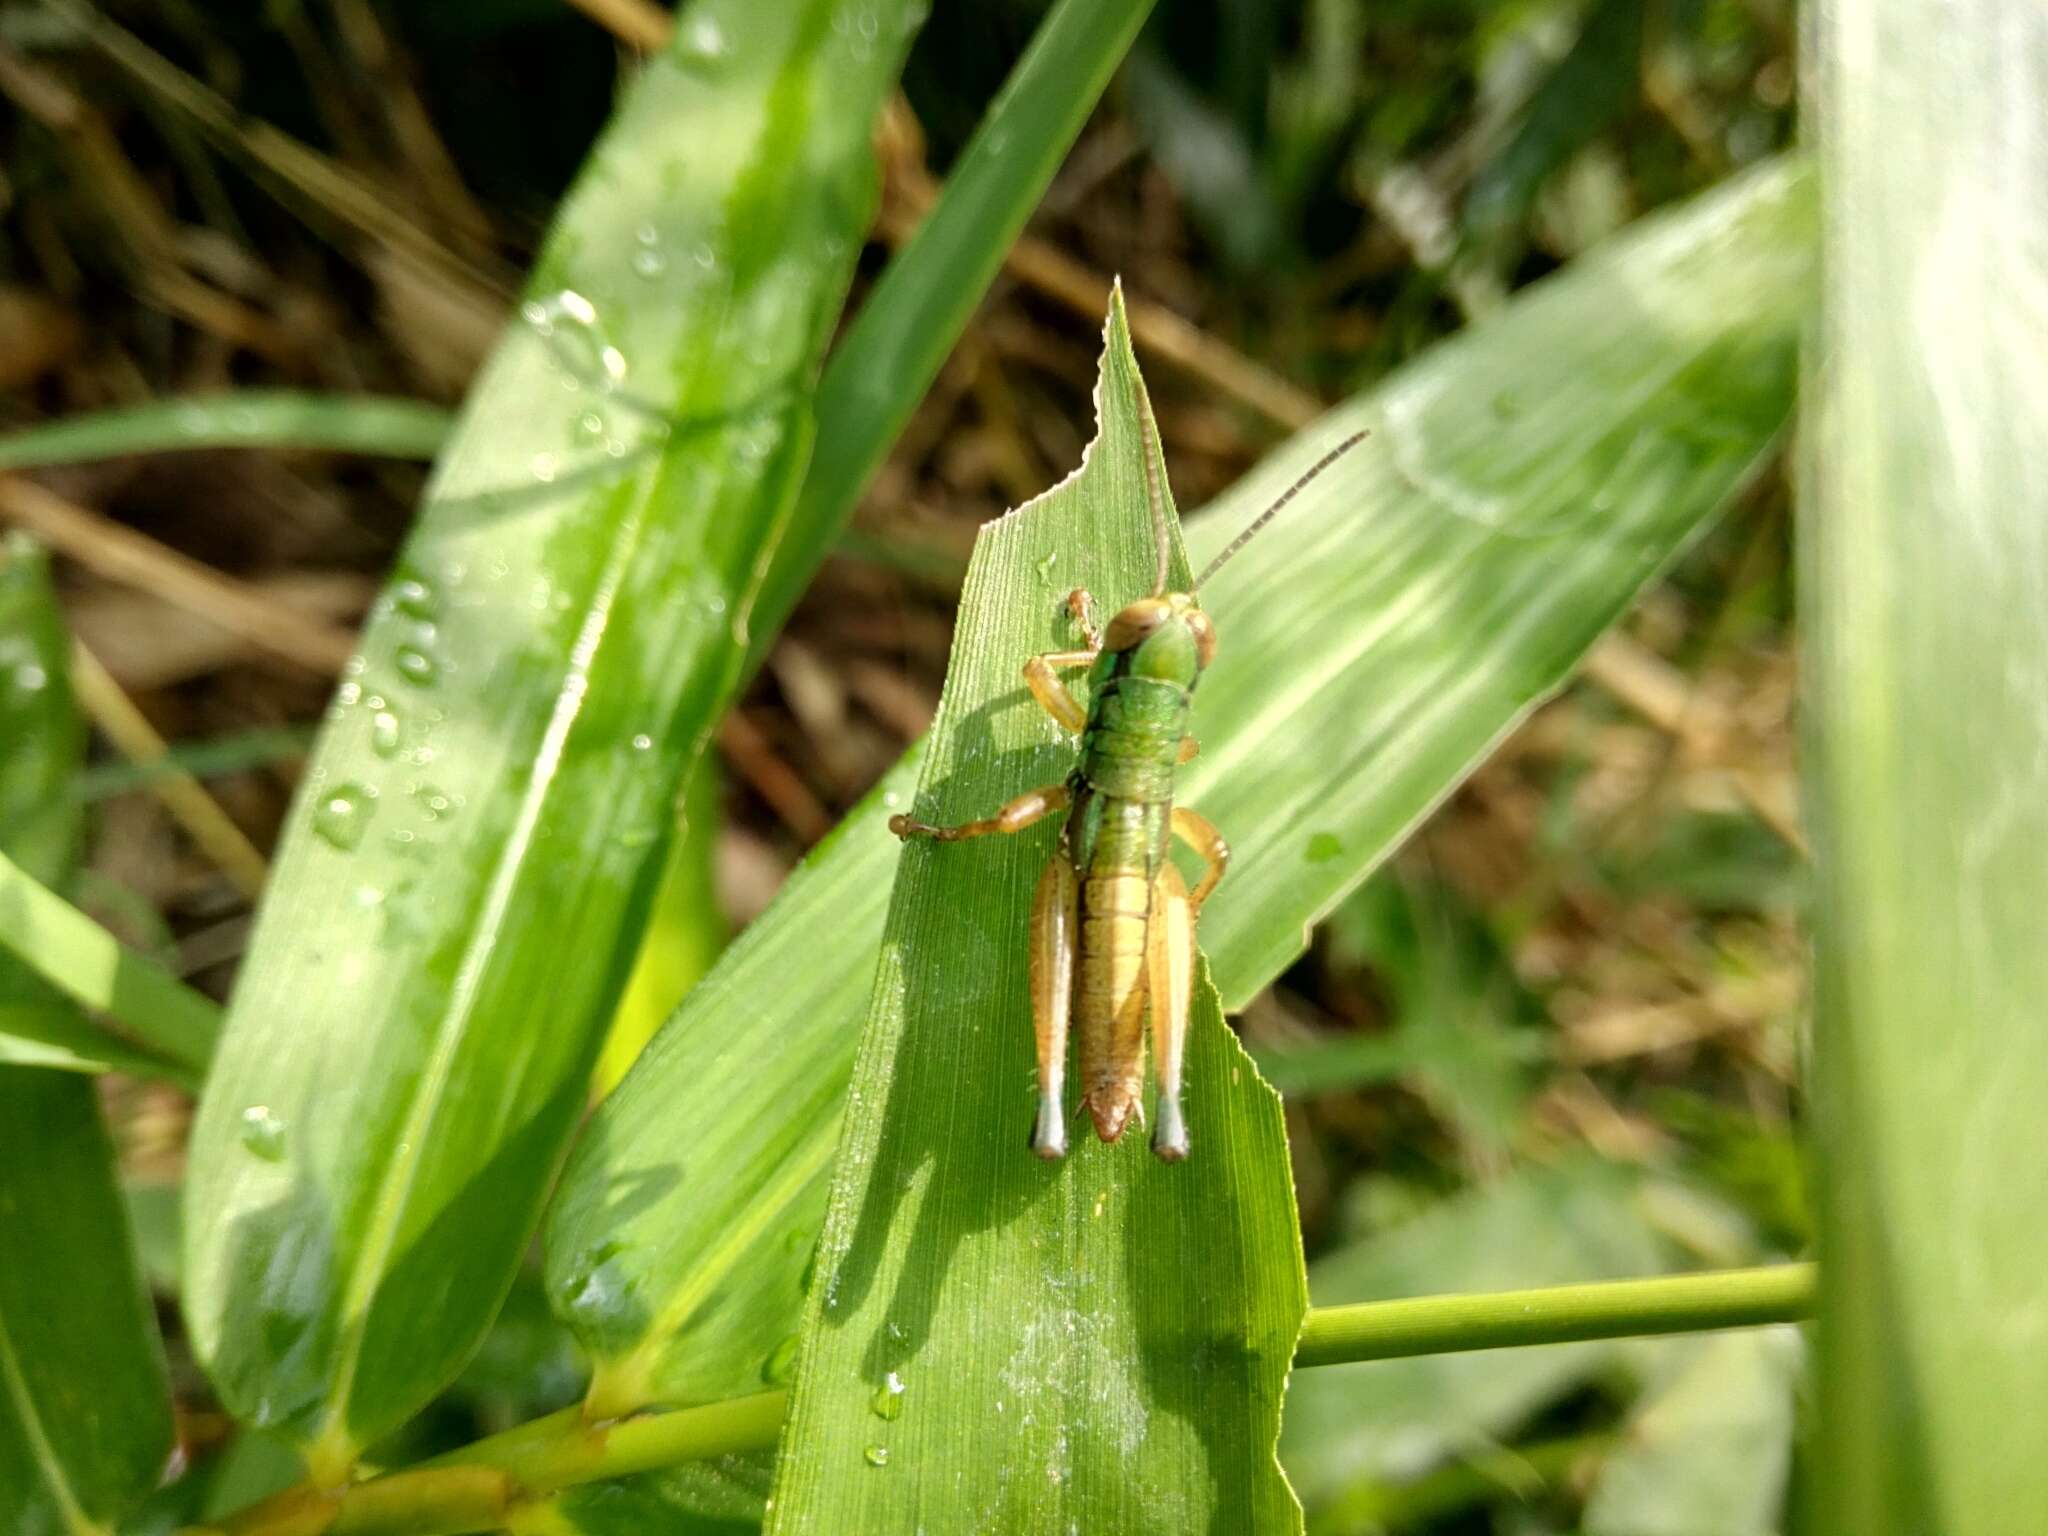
x: 482, y: 1483
x: 1562, y: 1314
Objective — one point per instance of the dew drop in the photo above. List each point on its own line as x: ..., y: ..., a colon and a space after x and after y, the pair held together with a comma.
x: 780, y: 1368
x: 30, y: 678
x: 384, y: 734
x: 544, y: 465
x: 1323, y: 847
x: 416, y: 666
x: 887, y: 1403
x: 649, y: 263
x: 590, y: 427
x: 703, y: 42
x: 876, y: 1455
x: 263, y: 1133
x: 570, y: 325
x: 703, y: 255
x: 342, y: 816
x: 642, y: 742
x: 414, y: 597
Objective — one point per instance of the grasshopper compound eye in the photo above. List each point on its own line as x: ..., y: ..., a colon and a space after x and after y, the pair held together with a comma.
x: 1136, y: 623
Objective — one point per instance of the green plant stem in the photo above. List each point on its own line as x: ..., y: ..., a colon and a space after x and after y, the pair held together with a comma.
x: 1564, y: 1314
x: 479, y: 1486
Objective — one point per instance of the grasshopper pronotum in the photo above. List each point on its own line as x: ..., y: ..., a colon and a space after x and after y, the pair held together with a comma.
x: 1113, y: 923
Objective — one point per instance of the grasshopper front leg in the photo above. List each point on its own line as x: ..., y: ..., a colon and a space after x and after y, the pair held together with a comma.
x: 1041, y: 673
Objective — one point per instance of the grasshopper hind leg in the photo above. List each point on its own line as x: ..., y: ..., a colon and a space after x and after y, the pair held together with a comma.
x: 1055, y: 924
x: 1170, y: 980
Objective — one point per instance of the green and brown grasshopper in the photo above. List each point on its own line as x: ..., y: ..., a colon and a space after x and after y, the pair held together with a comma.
x: 1113, y: 923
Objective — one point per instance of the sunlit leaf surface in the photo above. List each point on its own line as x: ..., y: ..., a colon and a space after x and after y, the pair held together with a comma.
x: 456, y: 902
x: 1094, y: 1344
x: 1408, y: 608
x: 1924, y: 611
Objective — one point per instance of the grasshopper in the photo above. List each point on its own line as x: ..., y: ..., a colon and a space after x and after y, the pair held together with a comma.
x: 1113, y: 921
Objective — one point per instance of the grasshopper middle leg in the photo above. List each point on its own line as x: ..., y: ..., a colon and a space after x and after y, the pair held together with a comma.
x: 1200, y: 834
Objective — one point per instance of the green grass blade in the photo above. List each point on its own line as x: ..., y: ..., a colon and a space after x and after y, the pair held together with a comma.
x: 679, y: 1240
x: 1098, y: 1344
x: 51, y: 1034
x: 897, y: 343
x: 85, y: 1420
x: 1925, y: 617
x: 71, y: 952
x: 42, y: 733
x: 252, y: 418
x: 85, y: 1401
x: 457, y: 901
x: 234, y: 752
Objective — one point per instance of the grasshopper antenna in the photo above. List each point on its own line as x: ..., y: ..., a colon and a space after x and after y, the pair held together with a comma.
x: 1148, y: 434
x: 1273, y: 511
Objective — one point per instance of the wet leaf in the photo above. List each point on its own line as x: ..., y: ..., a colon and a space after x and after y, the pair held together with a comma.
x: 1094, y: 1344
x: 458, y: 898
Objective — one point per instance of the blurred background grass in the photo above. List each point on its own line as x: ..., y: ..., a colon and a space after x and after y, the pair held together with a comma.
x: 1554, y: 1039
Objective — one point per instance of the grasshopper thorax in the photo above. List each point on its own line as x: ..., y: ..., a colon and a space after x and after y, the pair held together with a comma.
x: 1167, y: 637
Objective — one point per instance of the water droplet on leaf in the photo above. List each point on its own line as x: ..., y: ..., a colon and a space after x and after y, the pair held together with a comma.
x: 416, y: 666
x: 341, y: 817
x: 263, y: 1133
x: 887, y: 1403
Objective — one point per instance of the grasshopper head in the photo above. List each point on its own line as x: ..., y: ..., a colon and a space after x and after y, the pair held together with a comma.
x: 1167, y: 637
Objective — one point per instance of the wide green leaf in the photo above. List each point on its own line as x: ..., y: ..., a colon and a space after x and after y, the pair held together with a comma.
x: 457, y: 900
x: 708, y: 1331
x: 1924, y: 584
x: 85, y: 1420
x: 1098, y: 1344
x: 1530, y: 478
